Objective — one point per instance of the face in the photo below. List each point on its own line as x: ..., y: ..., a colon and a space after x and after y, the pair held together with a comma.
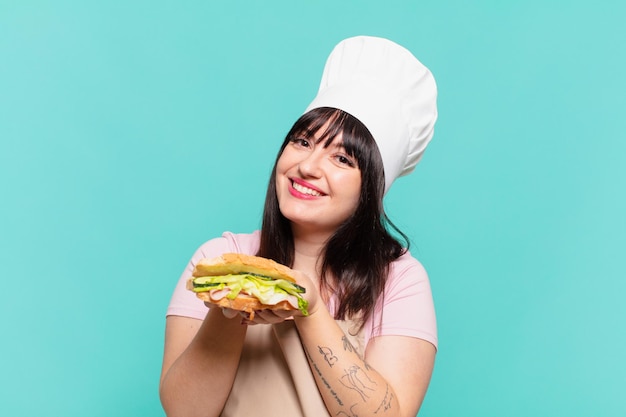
x: 317, y: 187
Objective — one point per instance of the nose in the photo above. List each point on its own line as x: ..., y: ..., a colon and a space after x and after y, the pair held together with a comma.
x: 310, y: 166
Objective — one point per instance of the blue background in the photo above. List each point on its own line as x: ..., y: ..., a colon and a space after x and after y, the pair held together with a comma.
x: 133, y: 131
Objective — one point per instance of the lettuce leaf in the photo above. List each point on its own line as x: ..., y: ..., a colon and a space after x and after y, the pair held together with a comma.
x: 267, y: 290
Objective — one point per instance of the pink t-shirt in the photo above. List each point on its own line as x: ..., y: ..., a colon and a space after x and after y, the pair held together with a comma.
x: 407, y: 308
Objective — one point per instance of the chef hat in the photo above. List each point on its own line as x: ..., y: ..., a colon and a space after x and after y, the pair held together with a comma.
x: 388, y: 90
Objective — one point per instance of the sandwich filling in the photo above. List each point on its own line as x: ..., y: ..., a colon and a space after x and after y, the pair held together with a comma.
x: 268, y: 291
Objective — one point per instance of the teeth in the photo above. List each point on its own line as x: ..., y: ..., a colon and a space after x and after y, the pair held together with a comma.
x: 305, y: 190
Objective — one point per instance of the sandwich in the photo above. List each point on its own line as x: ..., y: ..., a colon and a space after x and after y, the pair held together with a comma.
x: 247, y: 283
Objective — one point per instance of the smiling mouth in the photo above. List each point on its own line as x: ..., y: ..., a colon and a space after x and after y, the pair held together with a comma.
x: 305, y: 190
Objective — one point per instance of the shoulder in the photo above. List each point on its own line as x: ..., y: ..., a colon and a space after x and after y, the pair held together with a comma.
x: 247, y: 243
x: 406, y: 269
x: 406, y: 307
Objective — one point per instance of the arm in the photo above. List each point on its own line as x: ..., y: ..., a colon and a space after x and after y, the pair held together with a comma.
x: 407, y: 363
x: 392, y: 377
x: 196, y: 362
x: 390, y: 382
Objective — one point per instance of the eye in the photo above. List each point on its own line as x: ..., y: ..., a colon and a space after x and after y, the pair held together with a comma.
x: 300, y: 142
x: 345, y: 160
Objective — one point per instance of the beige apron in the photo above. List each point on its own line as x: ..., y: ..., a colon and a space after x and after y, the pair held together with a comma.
x: 274, y: 377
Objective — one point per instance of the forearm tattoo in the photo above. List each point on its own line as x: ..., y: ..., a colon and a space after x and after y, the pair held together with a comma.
x: 324, y: 381
x: 328, y: 355
x: 355, y: 377
x: 386, y: 403
x: 347, y: 346
x: 351, y: 412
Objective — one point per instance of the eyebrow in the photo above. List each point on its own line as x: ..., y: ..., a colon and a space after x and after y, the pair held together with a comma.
x: 327, y: 137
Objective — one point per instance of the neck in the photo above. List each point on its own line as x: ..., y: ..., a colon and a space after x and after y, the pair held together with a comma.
x: 309, y: 247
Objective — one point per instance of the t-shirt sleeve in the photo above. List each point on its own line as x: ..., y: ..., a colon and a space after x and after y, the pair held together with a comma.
x: 184, y: 302
x: 407, y: 308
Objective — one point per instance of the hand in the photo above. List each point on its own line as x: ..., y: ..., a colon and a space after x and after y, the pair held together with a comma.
x: 267, y: 316
x: 312, y: 294
x: 229, y: 313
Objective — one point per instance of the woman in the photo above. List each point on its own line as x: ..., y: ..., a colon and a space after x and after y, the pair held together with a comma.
x: 368, y: 344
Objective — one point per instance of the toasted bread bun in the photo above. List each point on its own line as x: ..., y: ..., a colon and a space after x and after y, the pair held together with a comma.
x: 236, y: 263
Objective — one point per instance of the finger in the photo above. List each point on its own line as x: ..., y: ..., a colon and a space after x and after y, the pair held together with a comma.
x: 229, y: 313
x: 260, y: 317
x: 285, y: 314
x: 269, y: 316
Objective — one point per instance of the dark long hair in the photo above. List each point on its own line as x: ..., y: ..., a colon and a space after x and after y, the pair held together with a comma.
x: 357, y: 256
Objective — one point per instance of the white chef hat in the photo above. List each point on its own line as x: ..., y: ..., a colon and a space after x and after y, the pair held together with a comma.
x: 388, y: 90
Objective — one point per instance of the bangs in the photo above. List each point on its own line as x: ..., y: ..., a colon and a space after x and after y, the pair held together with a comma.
x: 356, y: 139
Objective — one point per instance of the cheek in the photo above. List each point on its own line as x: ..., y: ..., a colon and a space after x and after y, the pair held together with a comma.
x: 279, y: 164
x: 282, y: 168
x: 357, y: 195
x: 281, y: 180
x: 354, y: 186
x: 285, y: 161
